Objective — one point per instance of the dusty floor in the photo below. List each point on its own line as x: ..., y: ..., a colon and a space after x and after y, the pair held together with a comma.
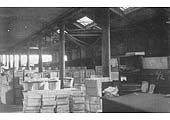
x: 10, y: 108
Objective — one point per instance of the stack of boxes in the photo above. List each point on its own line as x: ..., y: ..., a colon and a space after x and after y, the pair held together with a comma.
x: 79, y: 76
x: 62, y: 103
x: 89, y: 72
x: 99, y: 70
x: 77, y: 102
x: 31, y: 102
x: 54, y: 74
x: 7, y: 90
x: 54, y: 101
x: 18, y: 91
x: 93, y: 104
x: 48, y: 103
x: 93, y: 94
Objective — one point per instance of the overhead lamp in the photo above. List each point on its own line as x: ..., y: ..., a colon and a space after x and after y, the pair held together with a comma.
x: 168, y: 22
x: 34, y: 48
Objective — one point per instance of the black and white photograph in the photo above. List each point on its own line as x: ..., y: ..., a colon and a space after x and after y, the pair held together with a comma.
x: 84, y: 60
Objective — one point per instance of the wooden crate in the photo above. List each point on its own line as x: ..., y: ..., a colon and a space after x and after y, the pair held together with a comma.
x: 47, y: 109
x: 62, y: 109
x: 155, y: 62
x: 99, y: 70
x: 89, y: 72
x: 93, y: 104
x: 94, y: 86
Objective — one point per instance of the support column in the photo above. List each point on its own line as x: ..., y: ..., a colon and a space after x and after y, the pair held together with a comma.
x: 62, y: 53
x: 6, y: 62
x: 40, y: 56
x: 19, y: 61
x: 28, y: 57
x: 53, y: 60
x: 9, y: 60
x: 1, y: 58
x: 14, y: 94
x: 13, y: 61
x: 168, y: 43
x: 106, y: 43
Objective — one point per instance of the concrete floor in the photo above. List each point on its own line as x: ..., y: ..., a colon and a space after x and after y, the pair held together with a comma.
x: 10, y: 108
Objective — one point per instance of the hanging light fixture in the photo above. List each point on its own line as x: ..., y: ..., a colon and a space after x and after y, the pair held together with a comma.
x: 168, y: 22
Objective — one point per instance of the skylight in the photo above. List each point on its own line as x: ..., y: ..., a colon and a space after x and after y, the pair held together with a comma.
x: 124, y: 8
x: 85, y: 21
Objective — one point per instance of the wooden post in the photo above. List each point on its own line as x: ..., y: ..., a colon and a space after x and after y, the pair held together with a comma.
x: 19, y: 62
x: 62, y: 53
x: 106, y: 43
x: 40, y: 56
x: 6, y: 62
x: 53, y: 60
x: 13, y: 60
x: 1, y: 58
x: 14, y: 100
x: 9, y: 61
x: 168, y: 44
x: 28, y: 57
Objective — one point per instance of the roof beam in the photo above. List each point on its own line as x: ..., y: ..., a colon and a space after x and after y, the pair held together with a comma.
x: 64, y: 17
x: 127, y: 19
x: 74, y: 38
x: 86, y: 35
x: 84, y: 31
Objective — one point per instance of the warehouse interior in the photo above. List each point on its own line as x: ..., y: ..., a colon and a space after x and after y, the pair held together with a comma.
x: 85, y: 60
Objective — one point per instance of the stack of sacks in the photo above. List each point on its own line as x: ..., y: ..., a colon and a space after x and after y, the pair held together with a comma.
x: 48, y: 103
x: 77, y: 102
x: 62, y: 101
x: 31, y: 102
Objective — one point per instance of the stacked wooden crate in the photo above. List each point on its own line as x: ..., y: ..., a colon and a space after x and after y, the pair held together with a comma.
x: 18, y: 95
x: 93, y: 104
x: 19, y: 74
x: 48, y: 103
x: 54, y: 74
x: 62, y: 103
x: 93, y: 94
x: 77, y: 102
x: 18, y: 91
x: 32, y: 102
x: 89, y: 72
x: 7, y: 91
x: 79, y: 76
x: 99, y: 70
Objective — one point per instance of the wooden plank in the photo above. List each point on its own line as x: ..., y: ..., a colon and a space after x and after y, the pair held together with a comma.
x: 106, y: 43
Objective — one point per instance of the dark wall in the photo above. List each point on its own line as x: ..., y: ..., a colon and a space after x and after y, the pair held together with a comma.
x: 150, y: 36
